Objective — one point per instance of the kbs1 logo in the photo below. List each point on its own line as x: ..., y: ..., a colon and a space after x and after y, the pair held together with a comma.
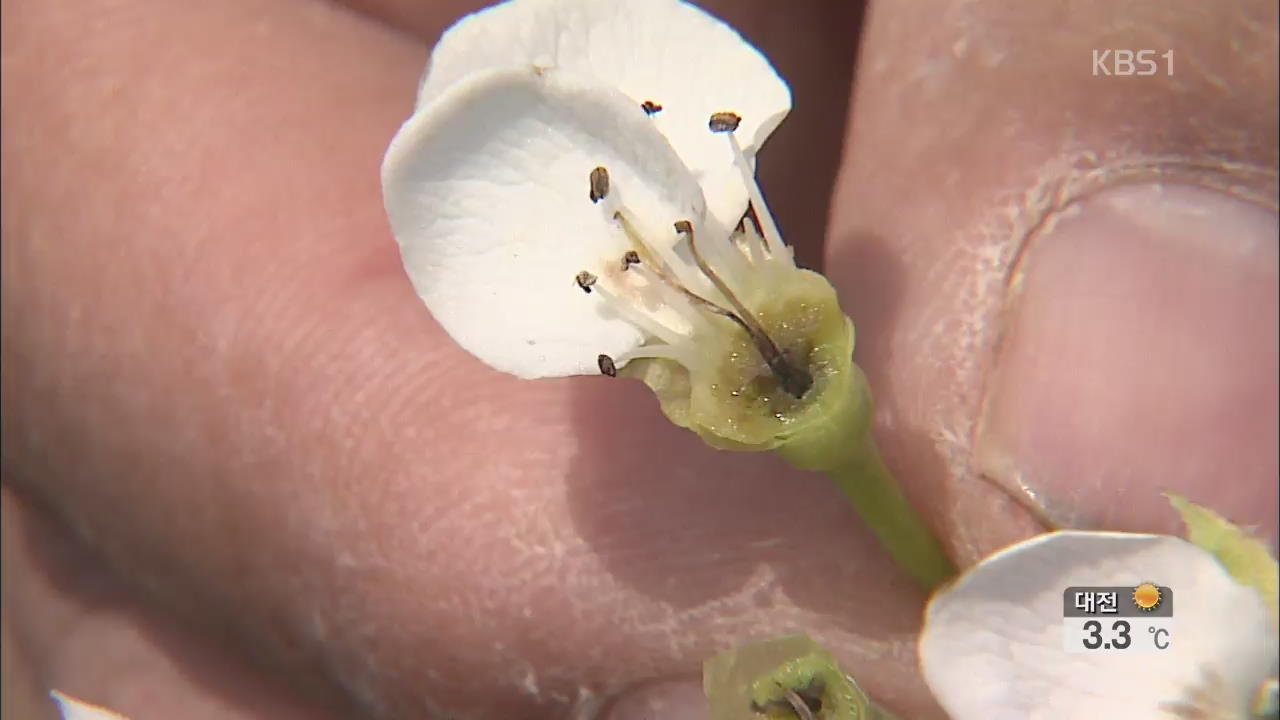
x: 1128, y: 63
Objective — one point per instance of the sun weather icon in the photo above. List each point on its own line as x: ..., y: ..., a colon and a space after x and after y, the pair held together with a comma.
x: 1147, y: 597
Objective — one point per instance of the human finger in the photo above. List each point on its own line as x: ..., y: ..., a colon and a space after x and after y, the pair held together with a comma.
x: 1063, y: 269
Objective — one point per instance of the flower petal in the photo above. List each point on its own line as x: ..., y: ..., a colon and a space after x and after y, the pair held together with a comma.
x: 73, y: 709
x: 487, y: 193
x: 667, y: 52
x: 992, y: 646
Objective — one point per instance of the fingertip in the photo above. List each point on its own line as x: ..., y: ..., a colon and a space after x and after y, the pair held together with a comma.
x: 1139, y: 356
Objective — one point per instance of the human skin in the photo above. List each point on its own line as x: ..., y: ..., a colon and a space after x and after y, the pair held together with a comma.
x: 247, y: 475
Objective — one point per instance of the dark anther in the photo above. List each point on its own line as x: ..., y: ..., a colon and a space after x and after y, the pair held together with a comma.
x: 631, y: 257
x: 605, y: 363
x: 585, y: 280
x: 684, y: 227
x: 599, y: 184
x: 724, y: 122
x: 650, y: 107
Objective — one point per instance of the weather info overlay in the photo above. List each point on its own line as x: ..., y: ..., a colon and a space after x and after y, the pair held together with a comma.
x: 1137, y: 618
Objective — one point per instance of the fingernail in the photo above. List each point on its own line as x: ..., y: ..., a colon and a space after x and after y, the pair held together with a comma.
x: 1139, y: 355
x: 675, y: 700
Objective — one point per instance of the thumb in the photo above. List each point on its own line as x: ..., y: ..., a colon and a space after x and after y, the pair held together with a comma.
x: 1064, y: 285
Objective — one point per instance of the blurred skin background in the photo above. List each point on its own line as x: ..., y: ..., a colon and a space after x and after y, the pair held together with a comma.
x: 245, y: 475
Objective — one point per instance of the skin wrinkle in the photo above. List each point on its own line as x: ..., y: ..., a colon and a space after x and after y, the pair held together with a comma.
x: 720, y: 609
x: 1059, y: 192
x: 302, y: 403
x: 1118, y: 123
x: 7, y: 264
x: 22, y: 693
x: 151, y: 662
x: 1212, y: 453
x: 669, y: 625
x: 362, y: 677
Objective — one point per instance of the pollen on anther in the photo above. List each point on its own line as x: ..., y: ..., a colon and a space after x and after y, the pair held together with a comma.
x: 605, y: 363
x: 585, y: 280
x: 599, y: 184
x: 650, y: 107
x: 724, y: 122
x: 631, y: 257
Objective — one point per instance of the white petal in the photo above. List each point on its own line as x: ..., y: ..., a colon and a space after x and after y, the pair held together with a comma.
x: 487, y: 193
x: 992, y: 646
x: 73, y: 709
x: 664, y: 51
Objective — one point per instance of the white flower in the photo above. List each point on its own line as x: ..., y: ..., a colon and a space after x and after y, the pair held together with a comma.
x: 683, y: 62
x: 73, y: 709
x: 538, y: 165
x: 992, y: 645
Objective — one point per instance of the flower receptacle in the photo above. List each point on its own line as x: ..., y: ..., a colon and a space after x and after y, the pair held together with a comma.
x: 734, y: 401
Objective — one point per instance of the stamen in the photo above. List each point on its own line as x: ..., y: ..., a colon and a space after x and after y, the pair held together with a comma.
x: 755, y: 244
x: 675, y: 284
x: 664, y: 256
x: 650, y: 107
x: 599, y: 181
x: 725, y: 257
x: 662, y: 252
x: 648, y: 324
x: 745, y: 319
x: 605, y: 363
x: 726, y: 123
x: 795, y: 381
x: 676, y: 293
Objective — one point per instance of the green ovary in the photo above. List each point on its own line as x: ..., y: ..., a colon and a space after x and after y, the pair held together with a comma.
x: 731, y: 397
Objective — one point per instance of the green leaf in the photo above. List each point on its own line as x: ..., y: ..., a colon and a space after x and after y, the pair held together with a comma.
x: 1245, y: 557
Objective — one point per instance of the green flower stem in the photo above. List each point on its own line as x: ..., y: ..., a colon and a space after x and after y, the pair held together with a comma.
x: 845, y: 450
x: 876, y: 496
x: 730, y: 401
